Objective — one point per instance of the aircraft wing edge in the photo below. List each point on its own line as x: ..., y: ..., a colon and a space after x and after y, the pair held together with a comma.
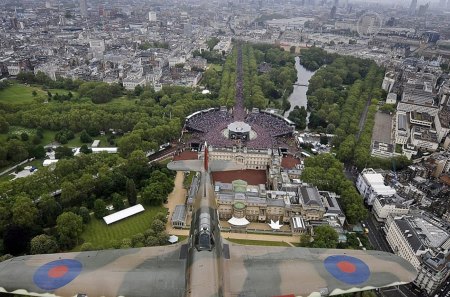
x: 312, y: 272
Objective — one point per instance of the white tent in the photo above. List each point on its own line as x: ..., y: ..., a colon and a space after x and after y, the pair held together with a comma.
x: 120, y: 215
x: 173, y: 238
x: 238, y: 221
x: 275, y: 225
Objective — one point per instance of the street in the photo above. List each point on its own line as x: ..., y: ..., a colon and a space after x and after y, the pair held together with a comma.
x: 443, y: 290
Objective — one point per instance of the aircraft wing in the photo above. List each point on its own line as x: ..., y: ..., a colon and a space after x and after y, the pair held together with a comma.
x: 198, y: 165
x: 186, y: 165
x: 150, y: 271
x: 223, y: 165
x: 257, y: 271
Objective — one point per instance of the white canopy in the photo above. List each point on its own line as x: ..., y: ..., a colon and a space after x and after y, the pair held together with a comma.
x: 238, y: 222
x: 275, y: 225
x: 173, y: 238
x: 120, y: 215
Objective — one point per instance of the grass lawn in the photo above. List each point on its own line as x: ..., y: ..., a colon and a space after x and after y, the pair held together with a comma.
x: 20, y: 94
x: 258, y: 242
x: 102, y: 236
x: 122, y: 101
x: 188, y: 179
x: 49, y: 137
x: 216, y: 67
x: 77, y: 143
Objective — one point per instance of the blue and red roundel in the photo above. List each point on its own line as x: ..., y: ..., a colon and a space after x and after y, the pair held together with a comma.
x: 349, y: 270
x: 57, y: 274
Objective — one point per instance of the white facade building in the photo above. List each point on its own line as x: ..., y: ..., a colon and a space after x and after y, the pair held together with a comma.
x: 152, y: 16
x: 371, y: 185
x: 383, y: 207
x: 251, y: 158
x: 425, y: 244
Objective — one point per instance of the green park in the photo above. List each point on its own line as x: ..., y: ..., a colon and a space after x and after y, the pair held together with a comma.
x: 60, y: 208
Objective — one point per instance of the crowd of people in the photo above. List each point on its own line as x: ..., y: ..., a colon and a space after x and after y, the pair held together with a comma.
x: 239, y: 110
x: 209, y: 125
x: 274, y: 125
x: 207, y: 121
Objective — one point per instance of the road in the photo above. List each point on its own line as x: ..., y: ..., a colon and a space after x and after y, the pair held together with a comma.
x: 443, y: 290
x: 362, y: 119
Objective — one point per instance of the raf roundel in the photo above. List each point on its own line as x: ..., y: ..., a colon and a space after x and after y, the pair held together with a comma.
x: 57, y: 274
x: 349, y: 270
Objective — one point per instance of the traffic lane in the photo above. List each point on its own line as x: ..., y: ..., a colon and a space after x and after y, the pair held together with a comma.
x: 374, y: 236
x: 405, y: 290
x: 392, y: 292
x: 378, y: 234
x: 444, y: 289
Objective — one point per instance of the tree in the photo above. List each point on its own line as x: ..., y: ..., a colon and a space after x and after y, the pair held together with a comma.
x: 87, y: 246
x: 325, y: 237
x: 85, y: 150
x: 83, y: 212
x: 131, y: 192
x: 323, y: 139
x: 163, y: 238
x: 24, y: 136
x: 16, y: 150
x: 85, y: 137
x: 62, y: 152
x: 331, y: 128
x: 126, y: 243
x: 138, y: 90
x: 151, y: 241
x: 5, y: 218
x: 69, y: 194
x: 153, y: 194
x: 117, y: 202
x: 43, y: 244
x: 49, y: 210
x: 298, y: 116
x: 129, y: 143
x: 162, y: 217
x: 100, y: 209
x: 16, y: 239
x: 4, y: 126
x: 158, y: 226
x: 305, y: 240
x: 69, y: 227
x: 37, y: 151
x: 24, y: 212
x: 137, y: 240
x: 40, y: 132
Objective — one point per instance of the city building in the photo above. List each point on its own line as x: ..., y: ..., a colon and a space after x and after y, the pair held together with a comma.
x: 371, y: 185
x: 423, y: 241
x: 384, y: 207
x: 251, y: 158
x: 83, y: 8
x: 178, y: 219
x: 152, y: 16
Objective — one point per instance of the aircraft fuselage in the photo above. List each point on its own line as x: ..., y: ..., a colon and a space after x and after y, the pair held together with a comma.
x: 204, y: 277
